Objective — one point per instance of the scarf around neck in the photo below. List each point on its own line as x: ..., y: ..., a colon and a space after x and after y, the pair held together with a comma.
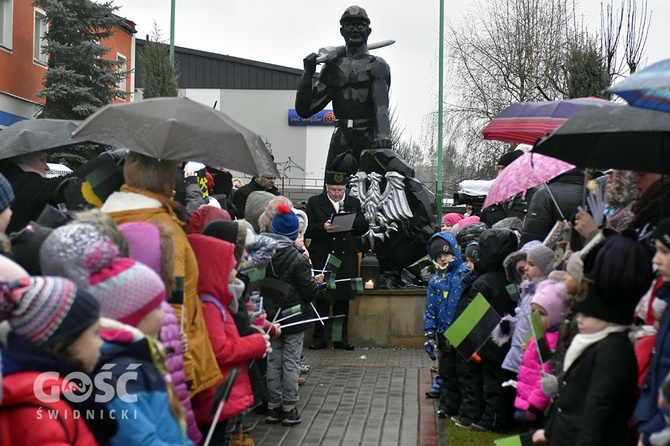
x: 583, y: 341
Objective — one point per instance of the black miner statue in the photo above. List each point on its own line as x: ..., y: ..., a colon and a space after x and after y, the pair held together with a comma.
x: 401, y: 212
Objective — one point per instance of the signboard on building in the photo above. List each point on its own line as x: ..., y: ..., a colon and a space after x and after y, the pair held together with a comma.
x: 324, y: 117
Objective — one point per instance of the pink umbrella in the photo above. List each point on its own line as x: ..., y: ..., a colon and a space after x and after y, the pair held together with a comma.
x: 530, y: 169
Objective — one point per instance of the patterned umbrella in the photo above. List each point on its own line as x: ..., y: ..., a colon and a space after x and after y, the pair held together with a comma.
x: 530, y: 169
x: 526, y: 122
x: 648, y: 88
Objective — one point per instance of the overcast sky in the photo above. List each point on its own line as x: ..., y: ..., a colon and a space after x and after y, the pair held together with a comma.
x: 283, y: 32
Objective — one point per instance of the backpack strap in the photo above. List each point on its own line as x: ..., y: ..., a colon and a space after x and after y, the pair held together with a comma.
x: 211, y: 299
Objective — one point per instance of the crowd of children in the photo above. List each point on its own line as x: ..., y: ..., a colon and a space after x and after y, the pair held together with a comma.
x: 130, y: 330
x: 119, y: 328
x: 579, y: 356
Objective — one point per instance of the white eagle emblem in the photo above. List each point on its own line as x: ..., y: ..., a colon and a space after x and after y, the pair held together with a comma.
x: 381, y: 209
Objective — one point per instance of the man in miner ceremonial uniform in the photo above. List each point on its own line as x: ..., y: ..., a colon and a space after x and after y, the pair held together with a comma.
x: 358, y: 85
x: 344, y: 245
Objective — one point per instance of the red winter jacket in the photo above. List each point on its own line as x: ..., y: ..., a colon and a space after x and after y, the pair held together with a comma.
x: 26, y: 420
x: 215, y: 261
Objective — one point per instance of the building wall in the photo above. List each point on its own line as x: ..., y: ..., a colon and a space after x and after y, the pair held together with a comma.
x: 21, y: 77
x: 266, y: 112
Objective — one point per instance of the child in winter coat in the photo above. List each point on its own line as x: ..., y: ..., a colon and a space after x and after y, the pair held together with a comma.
x: 150, y: 244
x: 291, y: 267
x: 539, y: 263
x: 54, y: 336
x: 217, y: 262
x: 494, y: 246
x: 647, y: 418
x: 132, y: 293
x: 549, y: 302
x: 444, y: 293
x: 598, y: 381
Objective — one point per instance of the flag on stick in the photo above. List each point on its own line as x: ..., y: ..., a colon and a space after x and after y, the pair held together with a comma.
x: 515, y: 440
x: 256, y: 274
x: 220, y: 396
x: 357, y: 285
x: 332, y: 264
x: 330, y: 281
x: 537, y: 330
x: 513, y: 291
x: 307, y: 321
x: 473, y: 327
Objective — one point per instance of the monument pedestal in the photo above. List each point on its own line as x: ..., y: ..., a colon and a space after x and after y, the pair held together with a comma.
x: 384, y: 318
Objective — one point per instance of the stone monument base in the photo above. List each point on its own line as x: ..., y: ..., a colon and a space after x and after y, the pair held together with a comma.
x: 385, y: 318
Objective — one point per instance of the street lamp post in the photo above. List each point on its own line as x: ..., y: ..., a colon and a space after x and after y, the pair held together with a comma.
x: 440, y: 99
x: 172, y: 31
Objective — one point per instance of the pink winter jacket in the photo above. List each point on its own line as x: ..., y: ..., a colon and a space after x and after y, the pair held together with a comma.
x: 171, y: 340
x: 528, y: 390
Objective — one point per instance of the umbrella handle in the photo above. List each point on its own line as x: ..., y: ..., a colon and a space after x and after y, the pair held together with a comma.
x: 554, y: 200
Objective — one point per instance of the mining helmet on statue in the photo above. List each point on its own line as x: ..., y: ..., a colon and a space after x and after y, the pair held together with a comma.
x: 354, y: 12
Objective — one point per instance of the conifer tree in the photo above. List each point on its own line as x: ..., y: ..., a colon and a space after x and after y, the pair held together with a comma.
x: 160, y: 74
x: 78, y: 80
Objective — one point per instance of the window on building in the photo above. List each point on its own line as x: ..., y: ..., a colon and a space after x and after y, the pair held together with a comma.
x: 123, y: 83
x: 6, y: 20
x: 40, y: 31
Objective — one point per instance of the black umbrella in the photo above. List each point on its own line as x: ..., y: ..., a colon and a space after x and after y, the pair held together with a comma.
x: 628, y: 138
x: 35, y: 135
x: 179, y: 129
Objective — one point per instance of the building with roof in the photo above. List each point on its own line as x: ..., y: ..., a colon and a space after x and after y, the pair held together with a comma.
x: 261, y: 97
x: 22, y: 65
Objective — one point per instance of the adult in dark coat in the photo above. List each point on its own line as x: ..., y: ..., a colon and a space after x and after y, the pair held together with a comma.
x: 494, y: 246
x: 264, y: 183
x: 568, y: 190
x: 343, y: 245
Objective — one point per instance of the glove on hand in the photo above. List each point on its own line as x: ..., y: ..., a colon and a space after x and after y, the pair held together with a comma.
x: 549, y: 384
x: 525, y: 415
x: 430, y: 345
x: 268, y: 346
x: 430, y: 348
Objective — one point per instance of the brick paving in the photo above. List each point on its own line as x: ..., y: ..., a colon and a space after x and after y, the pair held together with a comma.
x: 363, y: 397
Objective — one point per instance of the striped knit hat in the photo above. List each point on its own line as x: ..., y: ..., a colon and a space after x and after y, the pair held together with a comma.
x: 126, y: 289
x: 47, y: 310
x: 6, y: 193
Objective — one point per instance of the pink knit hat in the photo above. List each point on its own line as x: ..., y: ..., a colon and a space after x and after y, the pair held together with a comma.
x: 553, y: 297
x: 452, y: 218
x: 144, y: 242
x: 126, y: 289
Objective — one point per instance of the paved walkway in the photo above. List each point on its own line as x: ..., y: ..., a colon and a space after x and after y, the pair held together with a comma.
x: 362, y: 397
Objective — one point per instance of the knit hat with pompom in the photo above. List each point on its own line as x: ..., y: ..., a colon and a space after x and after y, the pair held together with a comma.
x: 285, y: 222
x: 47, y: 310
x: 126, y: 289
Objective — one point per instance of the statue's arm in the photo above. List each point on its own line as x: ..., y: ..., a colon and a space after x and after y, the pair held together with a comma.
x: 310, y: 98
x: 381, y: 84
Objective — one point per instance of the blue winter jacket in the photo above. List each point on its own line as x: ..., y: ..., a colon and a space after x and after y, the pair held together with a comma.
x: 144, y: 417
x: 444, y: 289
